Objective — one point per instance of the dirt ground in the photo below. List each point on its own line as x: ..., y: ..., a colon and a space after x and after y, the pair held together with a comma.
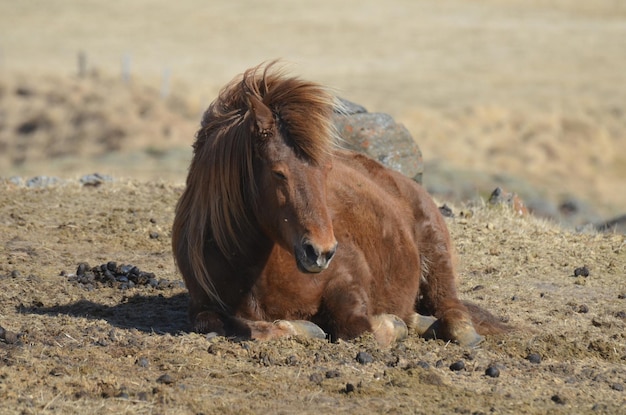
x: 533, y: 90
x: 73, y: 346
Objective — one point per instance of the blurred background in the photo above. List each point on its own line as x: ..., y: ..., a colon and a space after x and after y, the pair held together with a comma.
x: 525, y: 94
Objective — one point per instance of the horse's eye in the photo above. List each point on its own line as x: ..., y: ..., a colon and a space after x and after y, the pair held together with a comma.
x: 279, y: 175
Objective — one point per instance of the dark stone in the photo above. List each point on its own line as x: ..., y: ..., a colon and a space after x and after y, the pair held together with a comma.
x: 581, y: 271
x: 617, y: 225
x: 492, y: 372
x: 534, y: 358
x: 82, y: 268
x: 364, y: 358
x: 165, y: 379
x: 446, y: 211
x: 332, y: 374
x: 457, y: 366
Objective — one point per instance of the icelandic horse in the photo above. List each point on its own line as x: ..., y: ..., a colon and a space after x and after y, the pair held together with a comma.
x: 280, y: 232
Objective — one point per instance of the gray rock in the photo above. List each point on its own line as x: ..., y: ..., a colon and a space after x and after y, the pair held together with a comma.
x: 38, y: 182
x: 381, y: 138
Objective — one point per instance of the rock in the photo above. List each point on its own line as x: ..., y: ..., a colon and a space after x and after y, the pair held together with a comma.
x: 381, y: 138
x: 457, y: 366
x: 492, y: 372
x: 616, y: 225
x: 502, y: 197
x: 581, y: 271
x: 534, y: 358
x: 165, y: 379
x: 39, y: 182
x: 95, y: 179
x: 364, y: 358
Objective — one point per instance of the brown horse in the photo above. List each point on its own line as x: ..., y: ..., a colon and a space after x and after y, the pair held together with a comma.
x: 279, y: 232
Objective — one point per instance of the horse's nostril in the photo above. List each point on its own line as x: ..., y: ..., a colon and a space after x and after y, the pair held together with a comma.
x: 311, y: 253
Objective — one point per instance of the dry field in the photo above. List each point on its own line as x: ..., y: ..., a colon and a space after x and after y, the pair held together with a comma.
x: 529, y: 89
x: 91, y: 348
x: 490, y: 90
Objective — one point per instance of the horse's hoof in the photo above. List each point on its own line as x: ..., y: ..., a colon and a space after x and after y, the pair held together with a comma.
x: 303, y: 328
x: 459, y: 331
x: 388, y: 329
x: 424, y: 325
x: 208, y: 322
x: 466, y: 335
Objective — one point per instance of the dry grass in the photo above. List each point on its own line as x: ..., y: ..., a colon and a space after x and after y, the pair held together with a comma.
x: 104, y: 350
x: 530, y: 89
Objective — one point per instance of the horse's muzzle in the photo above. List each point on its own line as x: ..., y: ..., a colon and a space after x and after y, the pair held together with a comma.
x: 313, y: 259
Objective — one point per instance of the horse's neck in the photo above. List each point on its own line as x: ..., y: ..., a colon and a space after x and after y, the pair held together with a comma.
x: 253, y: 253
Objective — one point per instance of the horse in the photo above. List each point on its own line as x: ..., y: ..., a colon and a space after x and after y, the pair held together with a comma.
x: 279, y: 231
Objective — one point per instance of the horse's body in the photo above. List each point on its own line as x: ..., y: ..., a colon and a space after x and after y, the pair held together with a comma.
x: 277, y: 226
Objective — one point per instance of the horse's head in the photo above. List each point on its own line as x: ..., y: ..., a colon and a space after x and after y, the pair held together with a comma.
x: 291, y: 184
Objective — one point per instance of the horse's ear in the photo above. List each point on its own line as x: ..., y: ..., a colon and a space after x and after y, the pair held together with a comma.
x: 264, y: 118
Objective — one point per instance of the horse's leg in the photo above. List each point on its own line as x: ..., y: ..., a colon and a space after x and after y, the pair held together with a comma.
x: 227, y: 325
x: 265, y: 330
x: 438, y: 288
x: 345, y: 312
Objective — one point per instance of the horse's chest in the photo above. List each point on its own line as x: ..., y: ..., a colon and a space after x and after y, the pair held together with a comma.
x: 282, y: 292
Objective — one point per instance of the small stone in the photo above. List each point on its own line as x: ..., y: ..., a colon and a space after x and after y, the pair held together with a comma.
x: 583, y: 309
x: 457, y: 366
x: 142, y: 396
x: 8, y: 336
x: 364, y: 358
x: 617, y: 387
x: 112, y: 266
x: 165, y: 379
x: 581, y: 271
x: 558, y: 399
x: 122, y: 395
x: 349, y: 388
x: 316, y: 378
x: 332, y: 374
x: 143, y: 362
x: 154, y: 235
x: 446, y: 211
x: 492, y: 372
x: 423, y: 364
x: 82, y: 268
x: 534, y: 358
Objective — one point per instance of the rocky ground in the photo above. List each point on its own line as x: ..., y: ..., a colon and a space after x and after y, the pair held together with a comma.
x: 525, y: 95
x: 73, y: 341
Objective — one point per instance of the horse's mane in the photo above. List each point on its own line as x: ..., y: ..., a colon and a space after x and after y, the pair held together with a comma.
x: 220, y: 185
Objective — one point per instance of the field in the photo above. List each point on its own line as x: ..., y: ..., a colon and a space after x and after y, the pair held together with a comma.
x: 529, y: 95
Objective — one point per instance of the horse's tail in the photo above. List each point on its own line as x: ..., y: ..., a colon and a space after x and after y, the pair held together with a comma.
x: 484, y: 322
